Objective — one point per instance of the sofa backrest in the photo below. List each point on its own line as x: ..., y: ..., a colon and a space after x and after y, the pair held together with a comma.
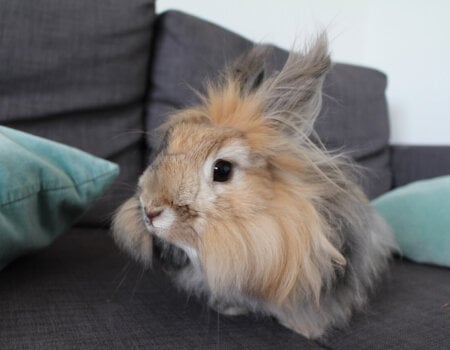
x: 97, y: 75
x: 76, y: 72
x: 188, y: 51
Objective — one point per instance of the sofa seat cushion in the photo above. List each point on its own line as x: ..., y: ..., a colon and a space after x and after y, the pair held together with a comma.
x: 75, y: 72
x: 81, y: 292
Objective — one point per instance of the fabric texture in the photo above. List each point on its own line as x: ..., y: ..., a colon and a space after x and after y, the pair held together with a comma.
x: 86, y: 294
x: 83, y: 293
x: 44, y: 188
x: 412, y: 163
x: 411, y: 310
x: 188, y: 51
x: 419, y: 214
x: 75, y: 72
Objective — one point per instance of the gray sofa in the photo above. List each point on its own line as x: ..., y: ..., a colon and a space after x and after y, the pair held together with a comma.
x: 98, y: 75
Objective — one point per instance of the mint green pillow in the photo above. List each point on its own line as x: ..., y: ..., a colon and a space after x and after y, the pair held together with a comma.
x: 419, y: 214
x: 44, y: 188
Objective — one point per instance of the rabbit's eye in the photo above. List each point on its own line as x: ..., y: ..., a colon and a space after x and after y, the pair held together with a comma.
x: 222, y: 170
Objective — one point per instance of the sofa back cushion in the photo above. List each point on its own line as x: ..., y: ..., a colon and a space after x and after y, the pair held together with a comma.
x: 75, y: 72
x: 188, y: 51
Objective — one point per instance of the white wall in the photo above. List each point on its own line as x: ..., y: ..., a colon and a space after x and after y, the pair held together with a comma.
x: 408, y: 40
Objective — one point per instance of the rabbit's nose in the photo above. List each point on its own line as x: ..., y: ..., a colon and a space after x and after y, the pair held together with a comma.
x: 152, y: 214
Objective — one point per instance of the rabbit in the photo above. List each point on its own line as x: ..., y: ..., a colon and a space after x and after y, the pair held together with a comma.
x: 250, y: 213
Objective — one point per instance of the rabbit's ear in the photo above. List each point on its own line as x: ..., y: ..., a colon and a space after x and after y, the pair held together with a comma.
x: 293, y: 97
x: 249, y: 69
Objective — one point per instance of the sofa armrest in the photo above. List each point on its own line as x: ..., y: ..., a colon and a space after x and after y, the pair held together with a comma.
x: 412, y: 163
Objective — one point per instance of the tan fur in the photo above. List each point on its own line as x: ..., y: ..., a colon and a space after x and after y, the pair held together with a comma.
x: 130, y: 232
x: 273, y: 263
x: 267, y: 239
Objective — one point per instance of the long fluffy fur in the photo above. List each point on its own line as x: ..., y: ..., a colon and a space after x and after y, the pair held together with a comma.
x: 292, y: 235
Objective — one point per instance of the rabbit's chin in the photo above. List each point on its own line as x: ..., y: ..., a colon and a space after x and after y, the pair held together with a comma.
x: 170, y: 257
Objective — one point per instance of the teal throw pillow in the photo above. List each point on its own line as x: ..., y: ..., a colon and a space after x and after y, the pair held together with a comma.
x: 419, y: 214
x: 44, y: 188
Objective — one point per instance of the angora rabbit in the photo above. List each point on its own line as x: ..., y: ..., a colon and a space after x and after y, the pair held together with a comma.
x: 249, y: 212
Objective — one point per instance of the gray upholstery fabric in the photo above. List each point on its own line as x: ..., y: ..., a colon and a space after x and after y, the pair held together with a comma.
x: 75, y: 72
x: 411, y: 311
x: 187, y: 51
x: 354, y: 119
x: 412, y: 163
x: 82, y: 293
